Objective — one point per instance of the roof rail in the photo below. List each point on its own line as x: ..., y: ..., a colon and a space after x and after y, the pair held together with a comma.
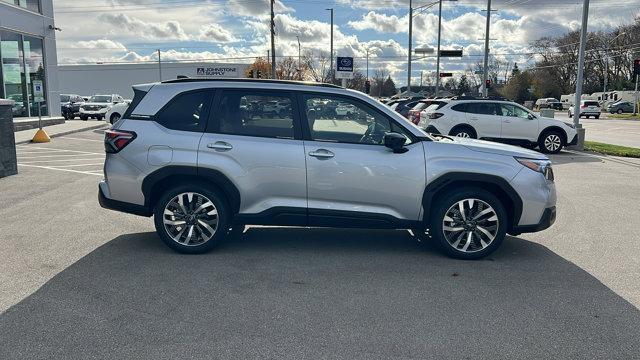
x: 182, y: 79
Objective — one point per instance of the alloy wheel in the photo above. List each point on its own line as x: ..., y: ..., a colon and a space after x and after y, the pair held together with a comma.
x: 190, y: 219
x: 552, y: 142
x: 470, y: 225
x: 463, y: 134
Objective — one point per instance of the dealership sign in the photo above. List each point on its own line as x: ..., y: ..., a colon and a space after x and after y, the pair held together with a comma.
x: 344, y: 67
x: 217, y: 71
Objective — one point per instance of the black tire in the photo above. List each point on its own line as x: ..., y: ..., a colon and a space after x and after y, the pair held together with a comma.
x: 114, y: 117
x: 99, y: 117
x: 84, y: 117
x: 597, y: 116
x: 223, y: 217
x: 464, y: 129
x: 548, y: 144
x: 65, y: 116
x: 448, y: 200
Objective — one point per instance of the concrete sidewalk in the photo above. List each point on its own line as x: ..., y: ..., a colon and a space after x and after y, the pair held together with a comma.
x: 69, y: 127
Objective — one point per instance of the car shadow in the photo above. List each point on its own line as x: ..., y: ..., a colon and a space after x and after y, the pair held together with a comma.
x: 319, y: 293
x: 565, y: 157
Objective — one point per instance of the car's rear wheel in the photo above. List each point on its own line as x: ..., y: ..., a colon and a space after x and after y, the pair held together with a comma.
x: 464, y: 132
x: 114, y: 117
x: 550, y: 142
x: 84, y: 117
x: 468, y: 223
x: 191, y: 219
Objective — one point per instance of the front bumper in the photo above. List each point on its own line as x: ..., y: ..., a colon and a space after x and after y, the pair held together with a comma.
x: 93, y: 112
x: 574, y: 141
x: 547, y: 219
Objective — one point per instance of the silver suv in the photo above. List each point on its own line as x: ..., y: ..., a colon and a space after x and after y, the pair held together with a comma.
x: 204, y: 158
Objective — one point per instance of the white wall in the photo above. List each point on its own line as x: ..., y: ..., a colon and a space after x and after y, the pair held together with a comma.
x: 118, y: 78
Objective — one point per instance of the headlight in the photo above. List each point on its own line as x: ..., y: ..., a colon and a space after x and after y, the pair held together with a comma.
x: 541, y: 166
x: 571, y: 125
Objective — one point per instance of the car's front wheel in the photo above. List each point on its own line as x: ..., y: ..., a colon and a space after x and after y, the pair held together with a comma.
x: 468, y: 223
x: 191, y: 219
x: 114, y: 117
x: 550, y: 142
x: 464, y: 132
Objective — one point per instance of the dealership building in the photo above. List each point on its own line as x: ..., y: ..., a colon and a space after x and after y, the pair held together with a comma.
x: 28, y: 57
x: 90, y: 79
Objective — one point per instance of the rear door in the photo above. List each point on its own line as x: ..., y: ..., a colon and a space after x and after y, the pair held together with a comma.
x: 484, y: 118
x: 260, y: 150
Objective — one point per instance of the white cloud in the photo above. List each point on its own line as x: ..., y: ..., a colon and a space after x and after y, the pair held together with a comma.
x: 381, y: 23
x: 103, y: 44
x: 215, y: 33
x: 256, y: 8
x: 168, y: 30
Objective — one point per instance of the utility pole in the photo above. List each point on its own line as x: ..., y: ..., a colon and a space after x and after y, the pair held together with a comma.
x: 635, y: 103
x: 410, y: 40
x: 273, y: 43
x: 438, y: 51
x: 331, y: 72
x: 420, y: 80
x: 606, y: 65
x: 580, y: 80
x: 299, y: 66
x: 485, y: 73
x: 159, y: 66
x: 367, y: 50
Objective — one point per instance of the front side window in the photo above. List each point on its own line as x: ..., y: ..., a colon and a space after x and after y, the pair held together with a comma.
x: 349, y: 122
x: 185, y: 112
x: 256, y: 114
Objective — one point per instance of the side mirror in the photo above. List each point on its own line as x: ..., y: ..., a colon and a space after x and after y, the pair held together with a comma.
x: 395, y: 142
x: 531, y: 116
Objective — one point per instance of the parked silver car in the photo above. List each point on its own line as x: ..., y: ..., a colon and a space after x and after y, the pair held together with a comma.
x: 185, y: 153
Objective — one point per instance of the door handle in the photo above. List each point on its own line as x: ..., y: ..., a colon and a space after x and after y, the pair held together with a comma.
x: 474, y: 118
x: 220, y: 146
x: 507, y: 121
x: 322, y: 154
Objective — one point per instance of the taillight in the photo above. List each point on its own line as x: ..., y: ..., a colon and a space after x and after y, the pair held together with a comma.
x: 583, y: 106
x: 116, y: 140
x: 435, y: 115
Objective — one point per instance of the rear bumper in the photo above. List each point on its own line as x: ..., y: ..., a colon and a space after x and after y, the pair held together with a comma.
x: 121, y: 206
x: 547, y: 219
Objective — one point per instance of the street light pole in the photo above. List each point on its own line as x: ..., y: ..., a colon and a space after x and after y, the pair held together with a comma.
x: 273, y: 44
x: 579, y: 81
x: 331, y: 56
x: 299, y: 67
x: 485, y: 73
x: 367, y: 50
x: 159, y: 66
x: 438, y: 51
x: 410, y: 40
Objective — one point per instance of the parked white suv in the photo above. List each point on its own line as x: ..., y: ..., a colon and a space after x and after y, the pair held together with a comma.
x: 98, y: 105
x: 587, y: 108
x: 502, y: 121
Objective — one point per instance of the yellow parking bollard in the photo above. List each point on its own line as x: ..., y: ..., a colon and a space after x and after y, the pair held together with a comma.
x: 41, y: 136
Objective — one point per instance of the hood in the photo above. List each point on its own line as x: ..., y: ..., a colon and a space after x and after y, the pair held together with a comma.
x: 498, y: 148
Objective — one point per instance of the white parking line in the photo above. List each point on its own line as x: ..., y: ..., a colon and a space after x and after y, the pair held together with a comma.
x: 74, y: 138
x: 74, y: 165
x: 65, y: 150
x: 70, y: 156
x: 59, y: 169
x: 47, y: 161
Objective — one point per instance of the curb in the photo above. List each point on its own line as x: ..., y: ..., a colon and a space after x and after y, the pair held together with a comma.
x: 93, y: 127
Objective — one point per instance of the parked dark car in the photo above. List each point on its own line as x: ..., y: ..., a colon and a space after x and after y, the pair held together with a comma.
x: 70, y: 105
x: 402, y: 106
x: 620, y: 107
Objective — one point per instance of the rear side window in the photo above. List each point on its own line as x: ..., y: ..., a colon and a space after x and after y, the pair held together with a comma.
x: 138, y: 95
x: 185, y: 112
x: 459, y: 107
x: 256, y: 114
x: 591, y: 103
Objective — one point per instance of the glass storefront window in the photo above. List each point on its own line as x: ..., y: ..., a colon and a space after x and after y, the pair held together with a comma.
x: 33, y: 5
x: 22, y: 75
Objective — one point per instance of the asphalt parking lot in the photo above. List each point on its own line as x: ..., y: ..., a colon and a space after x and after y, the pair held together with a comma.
x: 610, y: 131
x: 78, y: 281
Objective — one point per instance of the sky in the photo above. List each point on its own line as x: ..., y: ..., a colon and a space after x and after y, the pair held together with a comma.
x: 238, y: 30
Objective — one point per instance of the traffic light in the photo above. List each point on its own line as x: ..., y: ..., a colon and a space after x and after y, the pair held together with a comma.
x: 367, y: 87
x: 487, y: 83
x: 636, y: 67
x: 259, y: 74
x: 252, y: 74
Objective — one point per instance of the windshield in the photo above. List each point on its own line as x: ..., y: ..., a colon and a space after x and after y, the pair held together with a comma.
x: 100, y: 98
x: 64, y: 98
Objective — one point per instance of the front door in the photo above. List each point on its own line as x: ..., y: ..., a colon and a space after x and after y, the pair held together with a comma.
x: 517, y: 123
x: 351, y: 176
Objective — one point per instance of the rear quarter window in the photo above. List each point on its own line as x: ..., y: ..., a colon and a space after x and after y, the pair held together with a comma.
x: 591, y: 103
